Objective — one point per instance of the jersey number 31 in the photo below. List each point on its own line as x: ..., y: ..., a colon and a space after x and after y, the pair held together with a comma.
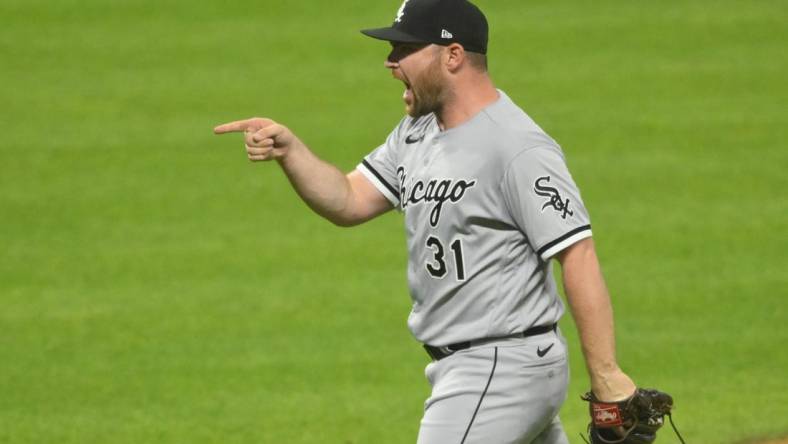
x: 438, y: 268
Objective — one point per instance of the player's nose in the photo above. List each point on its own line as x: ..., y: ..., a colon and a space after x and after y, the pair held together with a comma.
x: 388, y: 64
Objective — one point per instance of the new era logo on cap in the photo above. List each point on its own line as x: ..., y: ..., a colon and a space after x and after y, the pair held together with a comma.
x: 446, y: 34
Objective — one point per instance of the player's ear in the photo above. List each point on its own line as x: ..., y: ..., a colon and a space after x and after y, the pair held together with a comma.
x: 453, y: 56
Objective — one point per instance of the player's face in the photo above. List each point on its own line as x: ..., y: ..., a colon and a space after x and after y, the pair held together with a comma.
x: 418, y: 66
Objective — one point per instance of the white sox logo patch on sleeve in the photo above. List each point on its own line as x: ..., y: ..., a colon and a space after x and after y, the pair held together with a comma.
x: 434, y: 191
x: 606, y: 415
x: 554, y: 201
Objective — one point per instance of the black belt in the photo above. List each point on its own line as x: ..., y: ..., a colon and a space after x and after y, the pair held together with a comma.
x: 438, y: 353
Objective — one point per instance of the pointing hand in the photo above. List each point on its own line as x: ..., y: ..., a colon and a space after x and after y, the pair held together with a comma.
x: 264, y: 139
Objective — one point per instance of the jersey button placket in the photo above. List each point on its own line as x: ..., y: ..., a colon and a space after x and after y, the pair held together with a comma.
x: 431, y: 151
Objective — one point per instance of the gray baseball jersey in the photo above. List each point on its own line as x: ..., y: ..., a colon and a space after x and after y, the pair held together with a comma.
x: 486, y: 205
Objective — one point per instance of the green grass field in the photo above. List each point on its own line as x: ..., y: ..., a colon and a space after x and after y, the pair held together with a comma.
x: 157, y: 287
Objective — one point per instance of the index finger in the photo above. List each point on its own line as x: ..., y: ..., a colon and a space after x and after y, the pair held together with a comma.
x: 238, y: 126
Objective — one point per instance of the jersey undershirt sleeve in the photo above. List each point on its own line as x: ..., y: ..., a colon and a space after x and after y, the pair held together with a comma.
x: 380, y: 168
x: 544, y: 201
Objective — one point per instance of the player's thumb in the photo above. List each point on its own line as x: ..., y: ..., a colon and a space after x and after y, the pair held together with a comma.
x: 274, y: 131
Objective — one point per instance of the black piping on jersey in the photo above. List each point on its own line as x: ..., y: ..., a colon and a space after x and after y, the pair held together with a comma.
x: 495, y: 363
x: 380, y: 178
x: 549, y: 245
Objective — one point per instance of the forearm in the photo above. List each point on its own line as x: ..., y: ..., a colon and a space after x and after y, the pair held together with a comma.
x: 322, y: 186
x: 344, y: 200
x: 591, y: 308
x: 590, y: 304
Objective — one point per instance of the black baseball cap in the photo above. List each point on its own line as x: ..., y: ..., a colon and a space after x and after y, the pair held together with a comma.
x: 441, y: 22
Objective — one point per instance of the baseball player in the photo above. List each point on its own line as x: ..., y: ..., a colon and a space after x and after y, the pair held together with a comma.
x: 488, y: 202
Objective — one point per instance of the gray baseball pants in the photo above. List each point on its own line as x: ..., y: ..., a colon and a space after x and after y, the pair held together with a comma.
x: 498, y: 392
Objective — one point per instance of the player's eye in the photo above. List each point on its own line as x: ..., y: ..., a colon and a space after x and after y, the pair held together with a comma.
x: 401, y: 50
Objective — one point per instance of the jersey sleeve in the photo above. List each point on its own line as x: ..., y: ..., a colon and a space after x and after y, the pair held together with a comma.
x: 544, y: 201
x: 380, y: 168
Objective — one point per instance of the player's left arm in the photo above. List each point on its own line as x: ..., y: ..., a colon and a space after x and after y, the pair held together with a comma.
x: 592, y: 310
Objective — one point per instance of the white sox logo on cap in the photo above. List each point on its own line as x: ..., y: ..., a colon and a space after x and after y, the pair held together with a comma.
x: 401, y: 12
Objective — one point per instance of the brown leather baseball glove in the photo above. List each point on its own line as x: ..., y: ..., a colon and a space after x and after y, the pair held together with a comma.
x: 634, y: 420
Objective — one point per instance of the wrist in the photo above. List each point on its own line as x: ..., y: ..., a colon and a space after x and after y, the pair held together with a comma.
x: 283, y: 155
x: 603, y: 370
x: 611, y: 384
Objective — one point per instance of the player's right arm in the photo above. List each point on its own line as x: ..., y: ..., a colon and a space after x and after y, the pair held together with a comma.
x: 345, y: 200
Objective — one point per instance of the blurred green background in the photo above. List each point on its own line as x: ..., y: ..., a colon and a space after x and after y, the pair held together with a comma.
x: 157, y: 287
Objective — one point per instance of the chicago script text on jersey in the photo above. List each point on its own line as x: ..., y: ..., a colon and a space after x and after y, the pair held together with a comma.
x: 435, y: 191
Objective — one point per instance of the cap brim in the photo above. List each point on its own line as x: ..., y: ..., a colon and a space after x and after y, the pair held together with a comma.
x: 391, y: 35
